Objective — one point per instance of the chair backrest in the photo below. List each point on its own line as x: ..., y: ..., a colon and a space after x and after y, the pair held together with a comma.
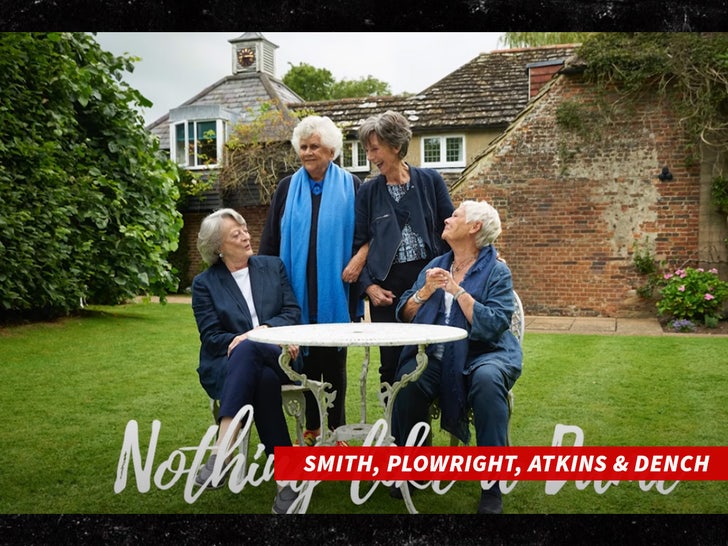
x: 518, y: 320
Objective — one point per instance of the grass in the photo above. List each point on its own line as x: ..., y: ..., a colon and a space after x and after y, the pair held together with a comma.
x: 70, y: 388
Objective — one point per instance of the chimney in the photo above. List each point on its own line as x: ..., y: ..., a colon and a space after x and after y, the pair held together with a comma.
x: 540, y: 73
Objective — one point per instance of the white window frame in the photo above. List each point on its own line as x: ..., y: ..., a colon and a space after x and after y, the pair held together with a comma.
x: 189, y: 160
x: 356, y: 166
x: 443, y: 163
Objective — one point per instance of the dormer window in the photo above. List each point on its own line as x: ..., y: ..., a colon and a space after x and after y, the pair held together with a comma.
x: 198, y: 134
x: 198, y: 143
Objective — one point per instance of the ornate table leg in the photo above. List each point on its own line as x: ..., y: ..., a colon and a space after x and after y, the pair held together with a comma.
x: 321, y: 390
x: 391, y: 391
x: 390, y: 394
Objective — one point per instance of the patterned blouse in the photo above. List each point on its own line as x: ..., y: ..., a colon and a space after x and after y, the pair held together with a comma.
x: 413, y: 246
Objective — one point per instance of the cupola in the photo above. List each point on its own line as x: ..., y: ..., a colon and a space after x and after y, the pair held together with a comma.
x: 252, y: 52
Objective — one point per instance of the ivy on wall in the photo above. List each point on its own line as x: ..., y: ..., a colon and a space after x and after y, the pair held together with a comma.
x: 690, y: 67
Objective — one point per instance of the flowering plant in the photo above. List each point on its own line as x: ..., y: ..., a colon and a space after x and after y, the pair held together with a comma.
x: 683, y: 325
x: 693, y: 294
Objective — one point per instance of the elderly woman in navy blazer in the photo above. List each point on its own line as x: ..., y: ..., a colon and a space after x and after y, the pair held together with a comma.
x: 237, y: 293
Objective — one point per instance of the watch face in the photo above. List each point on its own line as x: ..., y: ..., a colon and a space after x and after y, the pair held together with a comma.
x: 246, y: 56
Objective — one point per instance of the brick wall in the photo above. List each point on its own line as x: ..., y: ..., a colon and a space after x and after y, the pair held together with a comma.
x: 574, y: 205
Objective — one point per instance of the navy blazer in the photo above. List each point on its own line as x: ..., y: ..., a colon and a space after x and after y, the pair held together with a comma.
x: 222, y: 313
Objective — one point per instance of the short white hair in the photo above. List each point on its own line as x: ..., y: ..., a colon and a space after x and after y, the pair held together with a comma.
x: 209, y: 238
x: 483, y: 212
x: 326, y: 129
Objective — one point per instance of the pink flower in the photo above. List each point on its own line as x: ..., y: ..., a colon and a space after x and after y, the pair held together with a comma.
x: 668, y: 276
x: 709, y: 297
x: 714, y: 271
x: 680, y: 272
x: 681, y: 288
x: 700, y: 270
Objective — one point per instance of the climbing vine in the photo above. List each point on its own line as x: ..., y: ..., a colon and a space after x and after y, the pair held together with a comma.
x: 692, y: 68
x: 259, y: 153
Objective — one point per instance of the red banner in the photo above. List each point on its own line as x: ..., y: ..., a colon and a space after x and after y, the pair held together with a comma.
x: 501, y: 463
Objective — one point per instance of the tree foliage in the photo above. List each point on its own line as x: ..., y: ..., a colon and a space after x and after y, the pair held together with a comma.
x: 536, y: 39
x: 313, y: 84
x: 309, y: 82
x: 363, y: 87
x: 88, y: 209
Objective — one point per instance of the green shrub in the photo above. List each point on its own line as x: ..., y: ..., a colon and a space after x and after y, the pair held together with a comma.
x: 693, y: 294
x: 88, y: 207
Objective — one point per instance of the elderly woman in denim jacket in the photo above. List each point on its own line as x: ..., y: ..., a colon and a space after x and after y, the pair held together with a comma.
x: 469, y: 287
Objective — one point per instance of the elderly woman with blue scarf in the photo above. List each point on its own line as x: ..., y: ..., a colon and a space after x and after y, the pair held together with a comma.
x: 468, y: 287
x: 310, y: 225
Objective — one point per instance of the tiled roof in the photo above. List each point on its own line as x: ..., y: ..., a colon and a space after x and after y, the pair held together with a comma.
x: 237, y: 93
x: 487, y: 92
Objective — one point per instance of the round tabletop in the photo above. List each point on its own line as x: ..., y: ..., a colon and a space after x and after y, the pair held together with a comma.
x: 358, y: 334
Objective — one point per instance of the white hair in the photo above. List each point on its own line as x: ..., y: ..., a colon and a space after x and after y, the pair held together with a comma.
x: 209, y: 238
x: 327, y: 131
x: 483, y: 212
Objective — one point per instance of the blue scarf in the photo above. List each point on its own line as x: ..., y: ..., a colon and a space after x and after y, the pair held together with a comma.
x: 453, y: 398
x: 333, y: 244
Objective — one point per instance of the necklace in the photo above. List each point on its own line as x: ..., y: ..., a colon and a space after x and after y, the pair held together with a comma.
x: 457, y: 268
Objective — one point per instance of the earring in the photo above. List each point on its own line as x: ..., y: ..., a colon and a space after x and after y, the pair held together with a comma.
x: 220, y: 255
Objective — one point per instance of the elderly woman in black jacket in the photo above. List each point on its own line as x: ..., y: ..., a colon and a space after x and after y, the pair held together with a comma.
x: 310, y: 225
x: 401, y: 214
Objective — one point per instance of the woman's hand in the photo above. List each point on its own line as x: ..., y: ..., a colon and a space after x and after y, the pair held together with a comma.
x: 236, y: 341
x: 378, y: 296
x: 293, y: 351
x: 435, y: 278
x: 352, y: 270
x: 356, y: 264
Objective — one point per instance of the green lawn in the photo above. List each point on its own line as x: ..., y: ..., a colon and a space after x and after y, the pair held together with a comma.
x: 70, y: 388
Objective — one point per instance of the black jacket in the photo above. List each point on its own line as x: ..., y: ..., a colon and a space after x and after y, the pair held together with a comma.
x: 380, y: 219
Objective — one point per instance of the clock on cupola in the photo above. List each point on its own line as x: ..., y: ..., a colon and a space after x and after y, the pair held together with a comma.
x: 253, y: 53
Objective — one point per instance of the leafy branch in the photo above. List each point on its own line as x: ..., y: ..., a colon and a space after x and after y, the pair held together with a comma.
x: 258, y: 153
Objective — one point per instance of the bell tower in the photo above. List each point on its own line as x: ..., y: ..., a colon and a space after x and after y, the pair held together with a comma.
x: 252, y: 52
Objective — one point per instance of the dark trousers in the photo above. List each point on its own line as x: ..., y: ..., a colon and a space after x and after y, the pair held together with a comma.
x: 487, y: 394
x: 254, y: 377
x: 400, y: 279
x: 329, y: 364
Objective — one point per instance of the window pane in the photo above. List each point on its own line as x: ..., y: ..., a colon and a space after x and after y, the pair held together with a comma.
x: 432, y: 150
x: 454, y: 149
x: 361, y: 156
x: 179, y: 144
x: 206, y: 143
x: 346, y: 155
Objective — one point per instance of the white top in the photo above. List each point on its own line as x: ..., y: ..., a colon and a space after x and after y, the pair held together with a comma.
x: 242, y: 277
x: 358, y: 334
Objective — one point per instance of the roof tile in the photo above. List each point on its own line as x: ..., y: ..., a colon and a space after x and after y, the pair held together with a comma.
x: 486, y: 92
